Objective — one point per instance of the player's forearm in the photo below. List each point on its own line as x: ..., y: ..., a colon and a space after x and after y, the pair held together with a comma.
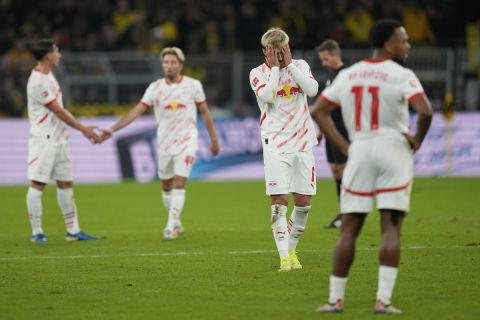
x: 423, y: 124
x: 209, y: 124
x: 269, y: 92
x: 306, y: 83
x: 68, y: 118
x: 128, y: 118
x: 327, y: 127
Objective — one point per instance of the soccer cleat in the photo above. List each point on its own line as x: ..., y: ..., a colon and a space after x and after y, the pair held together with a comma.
x: 295, y: 264
x: 335, y: 224
x: 381, y: 308
x: 285, y: 264
x: 39, y: 238
x: 179, y: 229
x: 169, y: 234
x: 331, y: 307
x: 80, y: 236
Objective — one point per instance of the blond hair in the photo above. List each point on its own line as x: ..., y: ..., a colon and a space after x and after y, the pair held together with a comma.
x: 177, y: 52
x: 275, y: 37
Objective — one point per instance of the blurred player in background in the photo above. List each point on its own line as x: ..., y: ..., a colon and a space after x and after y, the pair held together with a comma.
x: 281, y: 86
x: 329, y: 54
x: 175, y: 100
x: 374, y: 95
x: 48, y: 151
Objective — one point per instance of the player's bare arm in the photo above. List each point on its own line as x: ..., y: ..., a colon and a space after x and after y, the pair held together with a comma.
x: 321, y: 114
x: 422, y: 105
x: 209, y: 124
x: 133, y: 114
x: 69, y: 119
x: 311, y: 109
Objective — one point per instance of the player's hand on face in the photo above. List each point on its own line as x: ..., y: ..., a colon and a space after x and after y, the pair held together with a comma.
x: 414, y: 143
x: 287, y: 55
x: 214, y: 147
x: 271, y: 57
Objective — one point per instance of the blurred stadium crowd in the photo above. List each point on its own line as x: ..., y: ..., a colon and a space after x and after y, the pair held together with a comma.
x: 212, y: 27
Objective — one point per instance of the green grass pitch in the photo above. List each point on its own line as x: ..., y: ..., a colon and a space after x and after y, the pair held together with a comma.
x: 224, y: 267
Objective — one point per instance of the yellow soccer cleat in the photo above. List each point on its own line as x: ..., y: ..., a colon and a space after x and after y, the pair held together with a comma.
x: 285, y: 264
x: 295, y: 264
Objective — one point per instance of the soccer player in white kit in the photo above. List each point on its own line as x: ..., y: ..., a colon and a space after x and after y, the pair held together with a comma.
x: 175, y: 100
x: 48, y: 151
x: 281, y: 86
x: 374, y: 95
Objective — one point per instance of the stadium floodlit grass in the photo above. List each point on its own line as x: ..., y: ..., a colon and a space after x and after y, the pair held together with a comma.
x: 224, y: 267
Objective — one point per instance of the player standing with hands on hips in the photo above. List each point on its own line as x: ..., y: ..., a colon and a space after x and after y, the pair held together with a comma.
x: 281, y: 86
x: 48, y: 149
x: 175, y: 100
x: 374, y: 95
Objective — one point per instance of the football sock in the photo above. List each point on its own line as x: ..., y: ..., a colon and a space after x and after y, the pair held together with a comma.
x: 296, y: 225
x: 337, y: 288
x: 386, y: 282
x: 280, y: 229
x: 166, y: 198
x: 69, y: 209
x: 339, y: 187
x: 34, y: 206
x: 176, y: 206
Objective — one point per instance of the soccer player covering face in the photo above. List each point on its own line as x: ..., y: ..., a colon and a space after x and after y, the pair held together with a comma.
x: 374, y: 95
x: 48, y: 149
x: 281, y: 86
x: 175, y: 100
x: 329, y: 54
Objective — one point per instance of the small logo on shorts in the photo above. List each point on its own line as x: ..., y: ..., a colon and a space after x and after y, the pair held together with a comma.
x: 272, y: 183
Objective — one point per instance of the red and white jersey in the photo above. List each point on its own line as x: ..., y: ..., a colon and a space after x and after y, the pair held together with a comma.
x: 285, y: 120
x: 43, y: 89
x: 374, y: 95
x: 175, y: 108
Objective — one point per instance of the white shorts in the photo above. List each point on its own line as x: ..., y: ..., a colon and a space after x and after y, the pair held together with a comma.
x: 289, y: 172
x: 379, y: 169
x: 175, y: 165
x: 48, y: 160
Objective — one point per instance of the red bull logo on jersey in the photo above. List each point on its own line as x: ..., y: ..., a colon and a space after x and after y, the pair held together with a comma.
x: 175, y: 106
x: 287, y: 92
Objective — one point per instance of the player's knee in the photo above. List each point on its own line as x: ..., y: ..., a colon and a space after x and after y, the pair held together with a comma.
x: 65, y: 184
x: 281, y: 200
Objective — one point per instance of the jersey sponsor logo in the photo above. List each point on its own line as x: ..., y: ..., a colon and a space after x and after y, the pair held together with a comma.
x: 288, y: 92
x: 255, y: 81
x: 45, y: 94
x: 175, y: 106
x: 414, y: 83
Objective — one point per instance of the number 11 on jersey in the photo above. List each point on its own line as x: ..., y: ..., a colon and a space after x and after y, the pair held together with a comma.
x: 358, y: 93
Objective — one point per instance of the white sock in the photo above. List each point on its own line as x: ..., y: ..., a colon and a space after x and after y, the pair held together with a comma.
x: 296, y: 225
x: 34, y: 206
x: 176, y: 206
x: 167, y: 199
x: 337, y: 288
x: 386, y: 282
x: 280, y: 229
x: 69, y: 209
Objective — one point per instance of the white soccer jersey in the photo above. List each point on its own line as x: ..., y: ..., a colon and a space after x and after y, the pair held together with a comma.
x: 285, y: 120
x: 175, y: 107
x: 43, y: 89
x: 374, y: 95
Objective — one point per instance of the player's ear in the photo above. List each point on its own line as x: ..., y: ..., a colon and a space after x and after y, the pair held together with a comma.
x: 264, y: 50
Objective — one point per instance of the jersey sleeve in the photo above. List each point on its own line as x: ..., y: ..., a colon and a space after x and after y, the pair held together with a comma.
x: 265, y: 89
x: 301, y: 73
x: 148, y: 97
x: 199, y: 93
x: 43, y: 94
x: 331, y: 93
x: 410, y: 86
x: 257, y: 81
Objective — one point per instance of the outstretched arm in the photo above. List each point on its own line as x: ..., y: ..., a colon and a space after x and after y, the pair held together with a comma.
x: 207, y: 119
x: 70, y: 120
x: 133, y: 114
x: 321, y: 114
